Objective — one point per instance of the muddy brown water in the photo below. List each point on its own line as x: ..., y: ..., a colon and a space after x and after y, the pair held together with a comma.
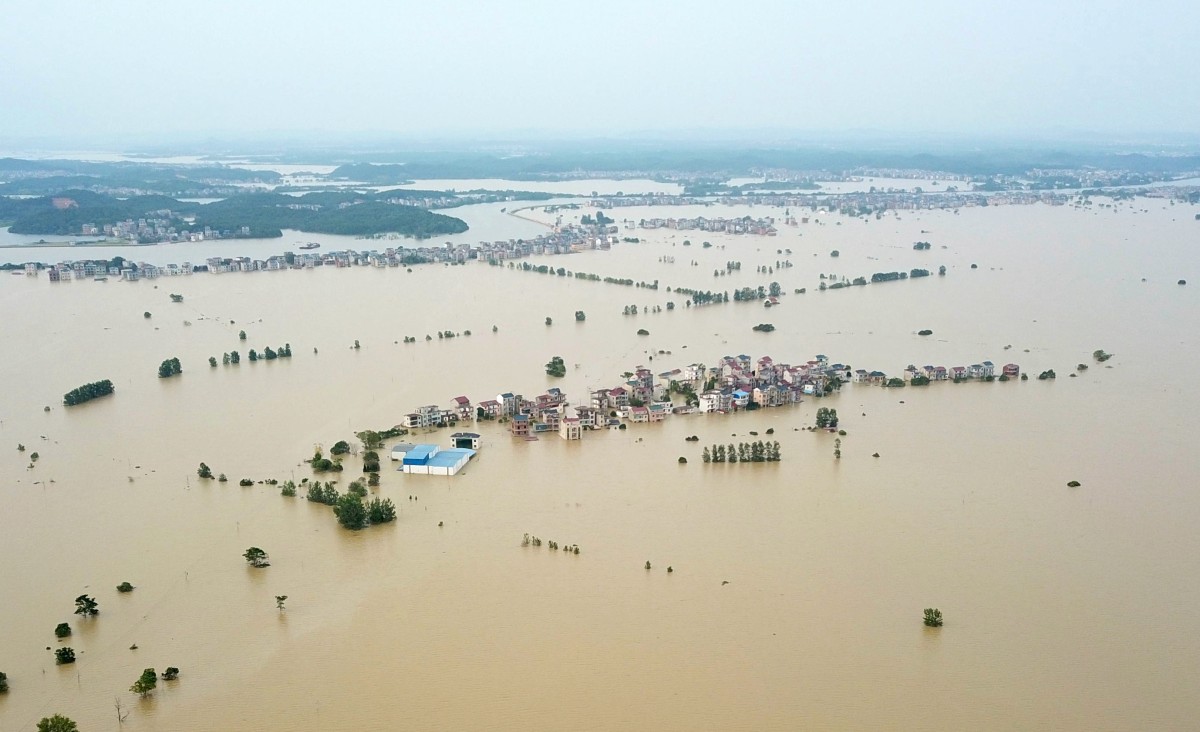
x: 1065, y: 608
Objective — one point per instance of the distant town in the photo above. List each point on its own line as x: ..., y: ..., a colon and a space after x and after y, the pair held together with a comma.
x: 874, y: 202
x: 563, y: 240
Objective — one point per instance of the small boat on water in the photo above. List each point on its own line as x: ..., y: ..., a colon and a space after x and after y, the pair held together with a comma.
x: 310, y: 245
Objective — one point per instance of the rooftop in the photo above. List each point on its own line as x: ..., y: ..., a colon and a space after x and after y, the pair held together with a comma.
x: 421, y: 452
x: 451, y: 457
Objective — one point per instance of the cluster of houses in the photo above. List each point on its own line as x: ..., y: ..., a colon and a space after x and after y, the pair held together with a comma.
x: 563, y: 240
x: 102, y: 270
x: 735, y: 383
x: 984, y: 370
x: 158, y: 227
x: 856, y: 201
x: 549, y: 412
x: 745, y: 225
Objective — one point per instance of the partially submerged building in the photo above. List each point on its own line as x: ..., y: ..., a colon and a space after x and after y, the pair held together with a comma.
x: 467, y: 440
x: 431, y: 460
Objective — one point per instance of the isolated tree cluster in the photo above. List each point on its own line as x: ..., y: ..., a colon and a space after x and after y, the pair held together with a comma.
x: 169, y: 368
x: 758, y: 451
x: 86, y: 606
x: 256, y: 557
x: 87, y: 392
x: 827, y: 418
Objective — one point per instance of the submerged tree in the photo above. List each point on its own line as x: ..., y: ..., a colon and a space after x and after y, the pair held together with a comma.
x: 322, y: 493
x: 86, y: 606
x: 57, y: 723
x: 827, y: 418
x: 933, y: 617
x: 350, y: 512
x: 371, y: 440
x: 556, y: 367
x: 256, y: 557
x: 87, y: 392
x: 64, y: 655
x: 279, y: 600
x: 169, y: 367
x: 62, y: 630
x: 146, y: 683
x: 381, y: 511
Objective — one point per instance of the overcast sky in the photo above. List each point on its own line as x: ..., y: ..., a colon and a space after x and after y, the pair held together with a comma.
x: 163, y: 68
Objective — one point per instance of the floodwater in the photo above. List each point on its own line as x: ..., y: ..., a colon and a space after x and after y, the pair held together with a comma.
x: 1066, y: 609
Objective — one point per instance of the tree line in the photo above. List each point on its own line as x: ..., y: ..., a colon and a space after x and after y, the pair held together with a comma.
x: 268, y: 354
x: 759, y: 451
x: 87, y: 392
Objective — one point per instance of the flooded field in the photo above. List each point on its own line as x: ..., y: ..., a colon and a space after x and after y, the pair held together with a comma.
x: 797, y: 587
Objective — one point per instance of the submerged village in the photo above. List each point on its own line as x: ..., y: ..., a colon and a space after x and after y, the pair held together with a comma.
x: 735, y: 384
x: 562, y: 239
x: 592, y: 233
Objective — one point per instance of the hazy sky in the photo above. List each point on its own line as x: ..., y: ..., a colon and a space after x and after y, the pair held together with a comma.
x: 160, y: 68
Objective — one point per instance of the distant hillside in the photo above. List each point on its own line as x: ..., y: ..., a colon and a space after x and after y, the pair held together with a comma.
x: 370, y: 173
x: 266, y: 214
x: 47, y: 177
x: 17, y: 165
x: 665, y: 160
x: 76, y: 208
x: 337, y: 213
